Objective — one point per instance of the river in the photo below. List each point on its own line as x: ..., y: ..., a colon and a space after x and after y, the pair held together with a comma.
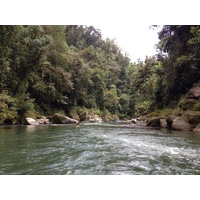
x: 97, y: 149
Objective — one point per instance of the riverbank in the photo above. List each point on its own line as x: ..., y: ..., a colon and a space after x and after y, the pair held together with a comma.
x: 185, y: 114
x: 175, y: 119
x: 168, y: 119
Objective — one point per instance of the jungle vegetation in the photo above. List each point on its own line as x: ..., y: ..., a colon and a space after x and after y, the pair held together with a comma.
x: 48, y: 69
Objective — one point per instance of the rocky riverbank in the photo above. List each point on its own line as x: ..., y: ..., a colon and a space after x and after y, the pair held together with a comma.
x: 58, y: 118
x: 189, y: 121
x: 185, y: 121
x: 185, y: 117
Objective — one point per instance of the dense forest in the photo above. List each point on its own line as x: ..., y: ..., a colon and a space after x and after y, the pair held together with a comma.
x: 73, y: 70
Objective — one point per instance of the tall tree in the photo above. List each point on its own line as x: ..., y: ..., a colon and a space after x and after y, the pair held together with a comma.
x: 181, y: 66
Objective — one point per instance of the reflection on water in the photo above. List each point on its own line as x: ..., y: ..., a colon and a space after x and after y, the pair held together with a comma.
x: 31, y: 128
x: 97, y: 148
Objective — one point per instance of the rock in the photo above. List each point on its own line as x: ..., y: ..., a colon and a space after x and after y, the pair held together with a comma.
x: 163, y: 123
x: 141, y: 120
x: 186, y: 104
x: 43, y: 120
x: 194, y: 93
x: 197, y: 128
x: 95, y: 118
x: 142, y: 123
x: 74, y: 115
x: 180, y: 124
x: 31, y: 121
x: 154, y: 122
x: 82, y: 115
x: 193, y: 117
x: 132, y: 121
x: 62, y: 119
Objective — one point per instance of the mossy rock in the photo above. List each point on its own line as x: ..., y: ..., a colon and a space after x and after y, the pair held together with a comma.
x: 83, y: 115
x: 193, y: 117
x: 197, y: 106
x: 186, y: 104
x: 194, y: 92
x: 154, y: 122
x: 62, y: 119
x: 74, y: 115
x: 30, y: 114
x: 110, y: 118
x: 58, y: 118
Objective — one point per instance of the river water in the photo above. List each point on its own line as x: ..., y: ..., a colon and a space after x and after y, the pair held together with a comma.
x: 97, y: 149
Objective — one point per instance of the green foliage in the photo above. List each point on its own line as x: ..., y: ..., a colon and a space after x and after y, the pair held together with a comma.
x: 197, y: 106
x: 7, y: 99
x: 24, y: 103
x: 181, y: 67
x: 162, y: 81
x: 7, y: 108
x: 111, y: 99
x: 73, y: 70
x: 51, y: 68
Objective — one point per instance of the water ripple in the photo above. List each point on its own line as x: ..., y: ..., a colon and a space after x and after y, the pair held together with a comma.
x: 97, y: 148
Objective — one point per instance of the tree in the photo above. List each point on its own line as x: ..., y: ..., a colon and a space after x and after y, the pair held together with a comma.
x: 49, y: 68
x: 181, y: 66
x: 9, y: 44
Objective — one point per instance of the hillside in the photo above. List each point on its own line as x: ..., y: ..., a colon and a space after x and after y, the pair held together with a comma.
x: 72, y: 70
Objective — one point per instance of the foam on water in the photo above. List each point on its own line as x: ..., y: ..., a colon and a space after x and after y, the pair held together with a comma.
x: 97, y: 148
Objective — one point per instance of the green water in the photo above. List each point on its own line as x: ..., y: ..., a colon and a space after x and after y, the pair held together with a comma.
x: 97, y: 148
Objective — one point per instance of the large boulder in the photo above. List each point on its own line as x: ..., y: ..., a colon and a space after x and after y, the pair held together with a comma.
x: 193, y: 117
x: 194, y: 93
x: 73, y: 113
x: 179, y: 123
x: 186, y: 104
x: 31, y: 121
x: 83, y: 115
x: 154, y: 122
x: 197, y: 128
x: 62, y: 119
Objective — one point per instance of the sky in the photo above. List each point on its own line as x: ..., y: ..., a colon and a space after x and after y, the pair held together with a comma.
x: 138, y: 41
x: 126, y: 21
